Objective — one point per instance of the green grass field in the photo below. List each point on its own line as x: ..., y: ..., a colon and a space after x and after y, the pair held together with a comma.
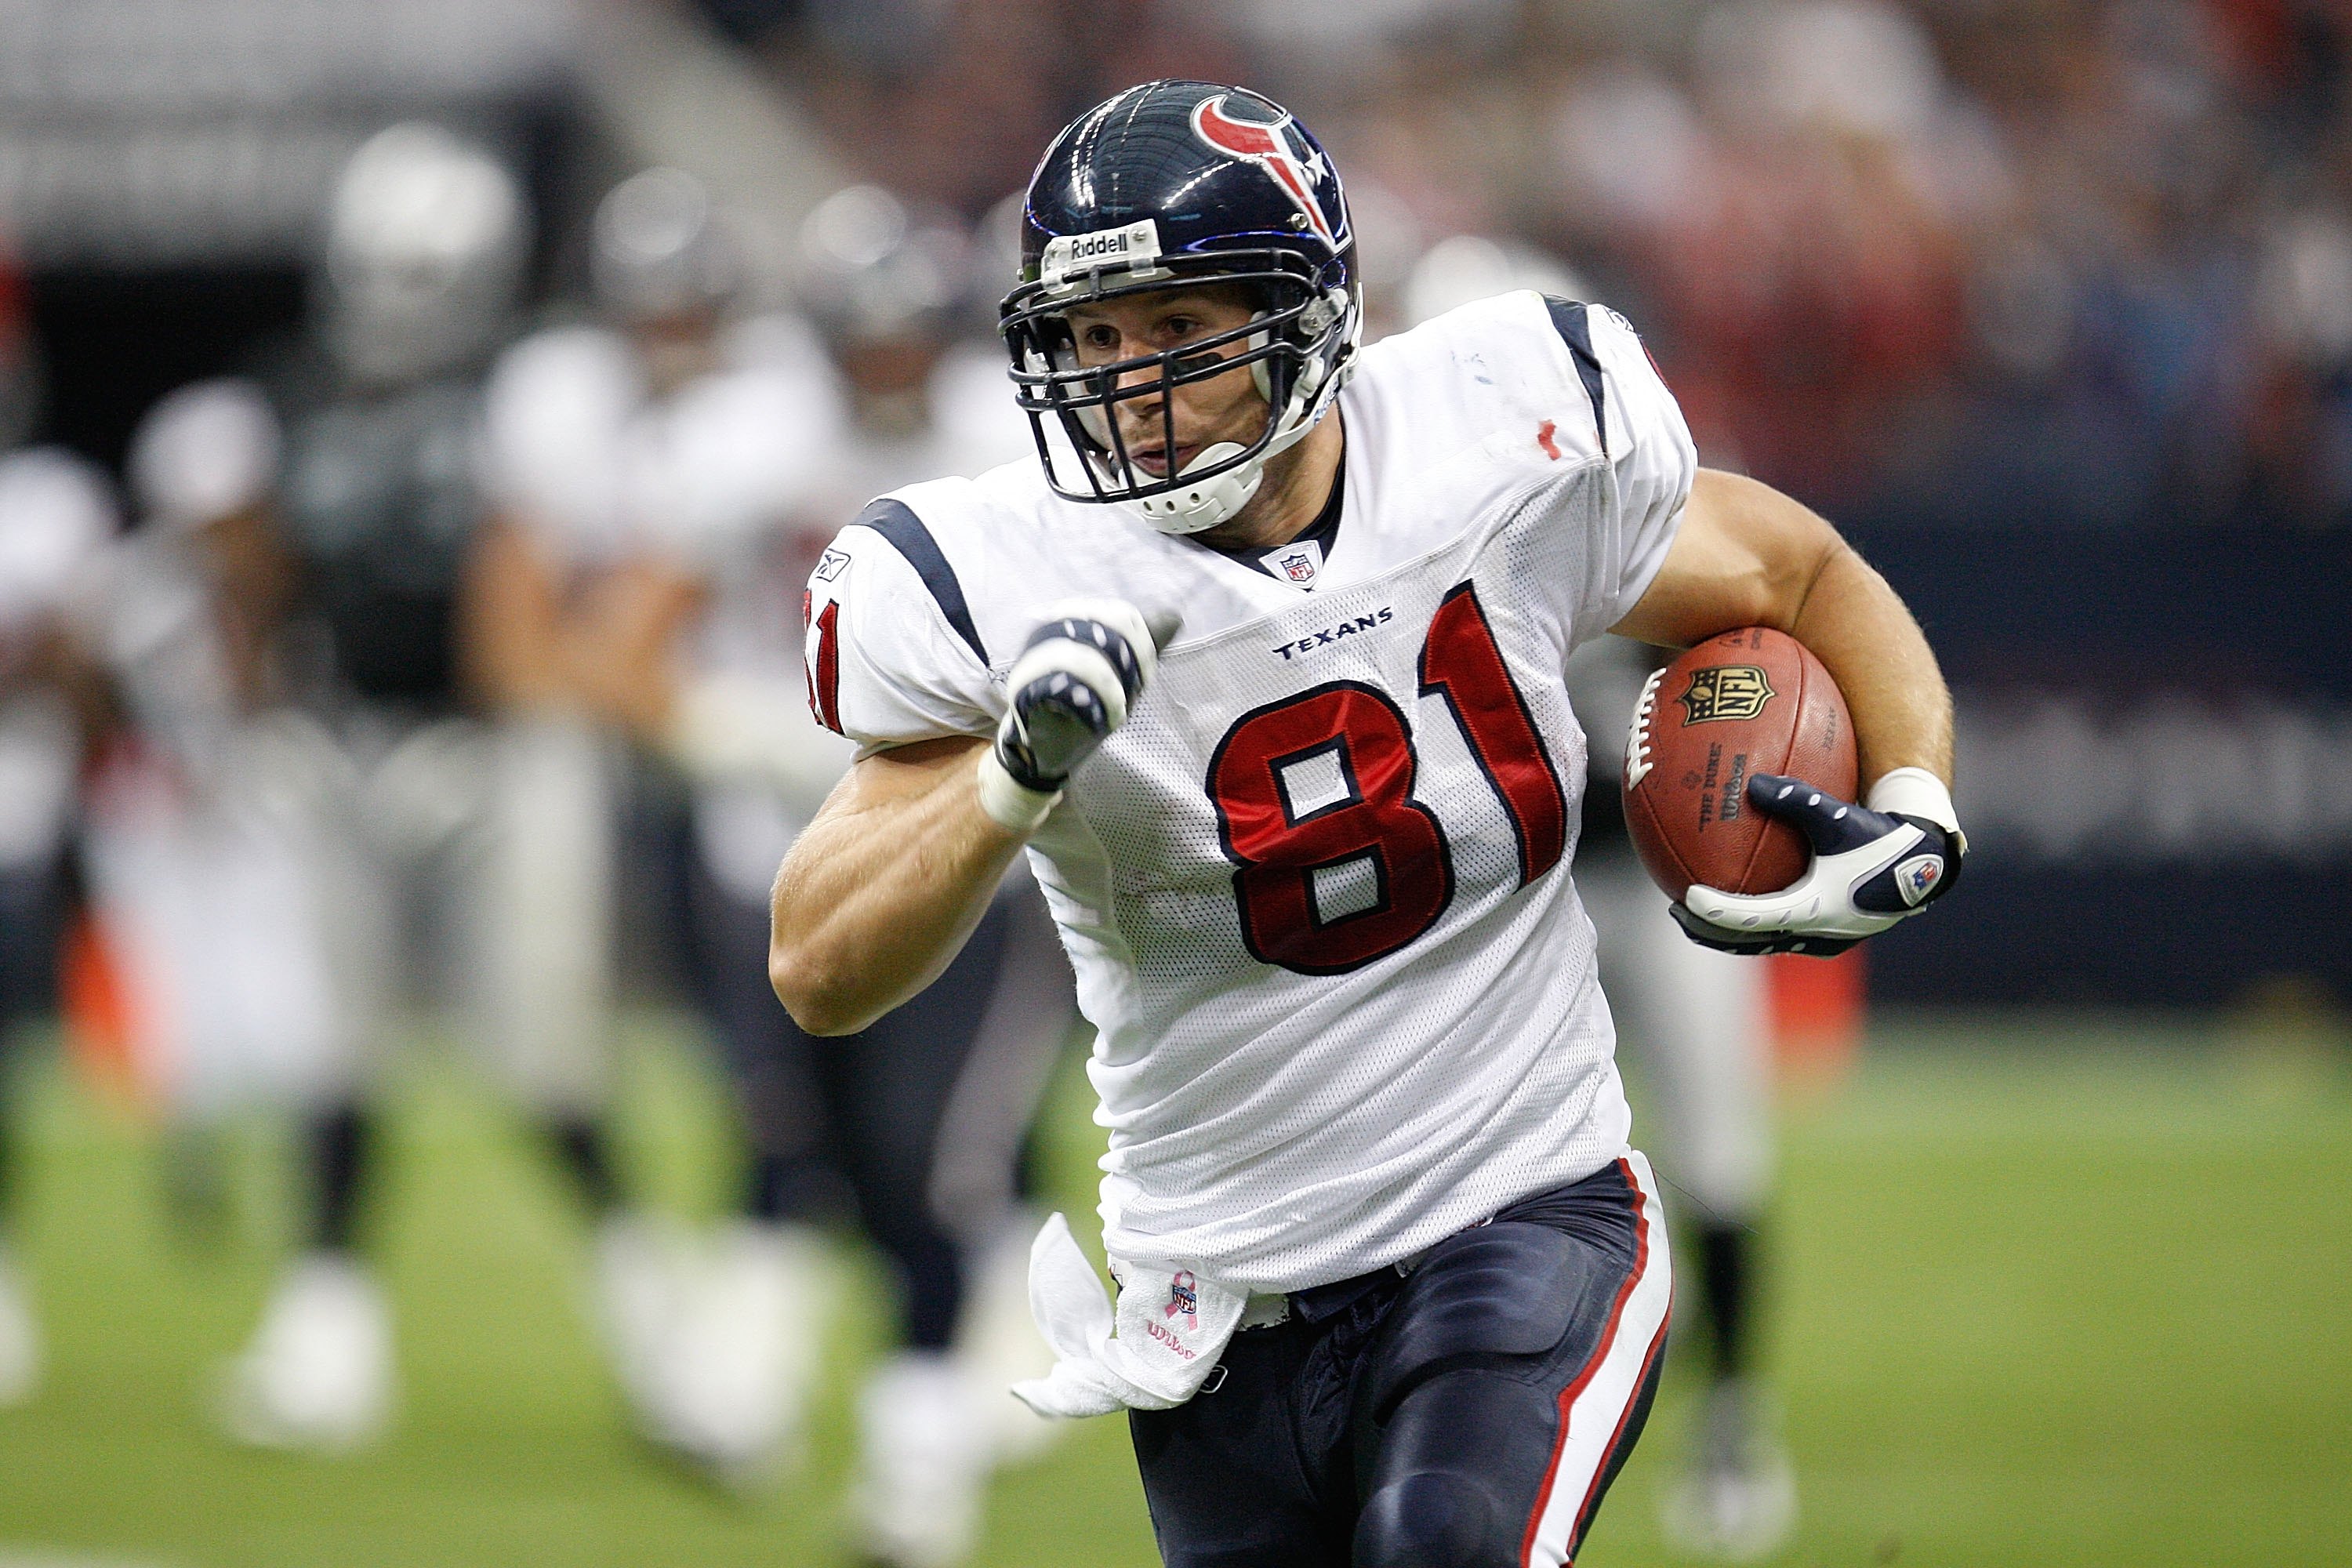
x: 2048, y: 1294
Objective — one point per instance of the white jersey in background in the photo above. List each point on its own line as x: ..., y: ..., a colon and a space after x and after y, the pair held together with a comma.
x: 578, y: 448
x: 206, y: 855
x: 56, y: 521
x: 973, y: 426
x: 719, y: 478
x: 1316, y: 889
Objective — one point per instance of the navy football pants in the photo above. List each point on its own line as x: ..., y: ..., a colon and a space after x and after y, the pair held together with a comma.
x: 1469, y: 1414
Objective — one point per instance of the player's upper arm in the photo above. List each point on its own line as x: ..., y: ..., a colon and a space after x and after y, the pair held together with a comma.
x: 1649, y: 449
x: 1745, y: 555
x: 890, y: 654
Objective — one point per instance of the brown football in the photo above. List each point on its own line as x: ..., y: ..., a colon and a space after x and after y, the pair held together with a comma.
x: 1746, y: 702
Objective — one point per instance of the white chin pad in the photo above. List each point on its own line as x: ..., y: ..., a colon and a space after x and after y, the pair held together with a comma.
x: 1188, y: 509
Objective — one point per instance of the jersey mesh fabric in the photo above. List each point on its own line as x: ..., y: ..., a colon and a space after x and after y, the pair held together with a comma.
x: 1278, y: 1130
x: 1274, y: 1129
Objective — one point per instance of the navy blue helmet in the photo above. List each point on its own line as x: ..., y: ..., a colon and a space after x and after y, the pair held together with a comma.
x: 1164, y: 184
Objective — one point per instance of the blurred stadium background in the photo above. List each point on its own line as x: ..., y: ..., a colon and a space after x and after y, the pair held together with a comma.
x: 2048, y: 304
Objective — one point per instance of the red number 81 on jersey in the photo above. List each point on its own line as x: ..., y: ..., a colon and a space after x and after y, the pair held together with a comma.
x: 1347, y: 867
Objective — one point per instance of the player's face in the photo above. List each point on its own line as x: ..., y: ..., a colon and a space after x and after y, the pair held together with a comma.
x: 1216, y: 408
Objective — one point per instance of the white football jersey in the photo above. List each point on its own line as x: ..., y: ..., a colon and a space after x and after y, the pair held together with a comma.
x: 577, y: 447
x: 1315, y: 889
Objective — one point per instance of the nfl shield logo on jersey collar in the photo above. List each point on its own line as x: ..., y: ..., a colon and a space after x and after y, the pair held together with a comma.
x: 1297, y: 564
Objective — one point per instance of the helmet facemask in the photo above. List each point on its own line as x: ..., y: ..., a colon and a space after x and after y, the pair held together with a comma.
x: 1298, y: 346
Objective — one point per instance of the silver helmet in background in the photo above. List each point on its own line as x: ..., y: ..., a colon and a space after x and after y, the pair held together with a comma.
x: 427, y: 236
x: 57, y: 513
x: 873, y: 269
x: 205, y: 453
x: 663, y: 250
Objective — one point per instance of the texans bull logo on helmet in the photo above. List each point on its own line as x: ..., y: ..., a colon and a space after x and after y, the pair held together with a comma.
x: 1269, y: 146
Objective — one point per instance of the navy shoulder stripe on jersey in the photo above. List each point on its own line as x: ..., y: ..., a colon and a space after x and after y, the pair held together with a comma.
x: 1568, y: 317
x: 896, y: 522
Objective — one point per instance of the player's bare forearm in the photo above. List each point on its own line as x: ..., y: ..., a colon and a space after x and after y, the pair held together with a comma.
x: 1874, y: 650
x: 1747, y: 555
x: 509, y: 621
x: 880, y: 893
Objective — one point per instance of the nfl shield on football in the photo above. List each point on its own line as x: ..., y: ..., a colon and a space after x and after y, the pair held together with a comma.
x: 1745, y: 702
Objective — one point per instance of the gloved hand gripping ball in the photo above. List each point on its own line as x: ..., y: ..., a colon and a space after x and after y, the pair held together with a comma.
x: 1741, y: 770
x: 1870, y: 867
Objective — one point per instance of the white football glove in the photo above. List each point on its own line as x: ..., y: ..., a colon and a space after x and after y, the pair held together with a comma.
x: 1871, y: 867
x: 1073, y: 685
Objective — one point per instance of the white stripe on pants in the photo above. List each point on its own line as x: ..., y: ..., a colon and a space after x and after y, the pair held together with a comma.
x: 1595, y: 1408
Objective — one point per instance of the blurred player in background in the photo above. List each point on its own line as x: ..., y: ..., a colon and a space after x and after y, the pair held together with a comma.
x: 704, y: 455
x: 1695, y: 1018
x: 632, y: 470
x: 57, y: 518
x: 201, y: 854
x: 891, y: 287
x: 461, y: 798
x: 1697, y: 1023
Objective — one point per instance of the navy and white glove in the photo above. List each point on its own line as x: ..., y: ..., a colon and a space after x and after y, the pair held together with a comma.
x: 1871, y: 867
x: 1074, y: 684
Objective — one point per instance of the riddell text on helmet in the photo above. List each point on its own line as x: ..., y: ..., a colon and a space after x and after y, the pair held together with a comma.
x: 1071, y: 253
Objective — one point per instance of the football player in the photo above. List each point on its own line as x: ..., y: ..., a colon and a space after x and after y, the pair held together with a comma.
x: 685, y: 444
x: 1700, y: 1022
x: 198, y: 865
x: 460, y: 805
x: 1261, y: 659
x: 57, y: 519
x: 889, y: 285
x: 623, y: 467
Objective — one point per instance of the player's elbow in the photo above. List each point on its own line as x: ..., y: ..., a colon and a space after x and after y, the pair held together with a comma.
x: 1771, y: 550
x: 815, y: 992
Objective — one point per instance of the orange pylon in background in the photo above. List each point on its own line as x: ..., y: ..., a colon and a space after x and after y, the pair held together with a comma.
x: 1818, y: 1007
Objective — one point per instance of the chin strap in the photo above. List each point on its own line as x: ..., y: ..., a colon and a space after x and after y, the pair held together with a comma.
x: 1197, y: 508
x: 1204, y: 506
